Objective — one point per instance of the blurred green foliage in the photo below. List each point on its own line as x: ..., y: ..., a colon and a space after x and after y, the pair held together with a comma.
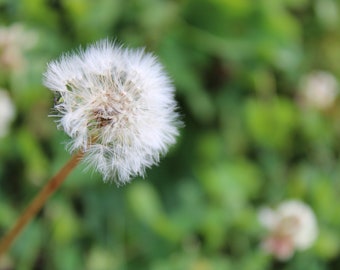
x: 247, y: 140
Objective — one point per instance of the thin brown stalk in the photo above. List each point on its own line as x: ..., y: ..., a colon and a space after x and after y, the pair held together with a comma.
x: 38, y: 202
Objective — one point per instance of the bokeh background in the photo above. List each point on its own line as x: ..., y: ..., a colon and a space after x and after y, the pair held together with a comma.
x: 257, y: 89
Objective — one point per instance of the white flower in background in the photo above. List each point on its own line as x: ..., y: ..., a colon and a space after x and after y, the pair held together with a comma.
x: 117, y: 105
x: 14, y: 40
x: 292, y: 226
x: 319, y: 89
x: 7, y: 112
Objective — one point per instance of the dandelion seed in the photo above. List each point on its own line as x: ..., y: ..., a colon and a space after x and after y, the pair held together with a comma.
x: 117, y: 105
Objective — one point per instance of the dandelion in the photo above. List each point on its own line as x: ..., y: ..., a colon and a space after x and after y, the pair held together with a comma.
x: 319, y: 89
x: 7, y: 111
x: 291, y: 227
x: 14, y: 40
x: 118, y: 107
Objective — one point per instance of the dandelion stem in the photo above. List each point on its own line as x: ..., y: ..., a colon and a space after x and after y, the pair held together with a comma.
x: 39, y: 201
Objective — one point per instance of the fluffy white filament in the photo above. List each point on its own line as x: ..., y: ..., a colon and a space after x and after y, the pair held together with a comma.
x: 117, y: 105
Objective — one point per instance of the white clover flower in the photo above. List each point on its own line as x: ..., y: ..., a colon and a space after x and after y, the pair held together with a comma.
x: 292, y: 226
x: 117, y: 105
x: 319, y: 89
x: 7, y: 112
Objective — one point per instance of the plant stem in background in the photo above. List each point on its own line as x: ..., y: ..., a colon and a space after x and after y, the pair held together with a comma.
x: 39, y: 201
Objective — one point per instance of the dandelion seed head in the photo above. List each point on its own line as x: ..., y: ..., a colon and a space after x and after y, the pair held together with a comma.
x: 318, y: 89
x: 292, y: 226
x: 117, y: 105
x: 7, y: 112
x: 14, y: 40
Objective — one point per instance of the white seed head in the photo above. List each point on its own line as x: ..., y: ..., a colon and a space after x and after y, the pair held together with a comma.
x: 7, y: 112
x: 319, y: 89
x: 14, y: 40
x: 117, y: 105
x: 291, y: 226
